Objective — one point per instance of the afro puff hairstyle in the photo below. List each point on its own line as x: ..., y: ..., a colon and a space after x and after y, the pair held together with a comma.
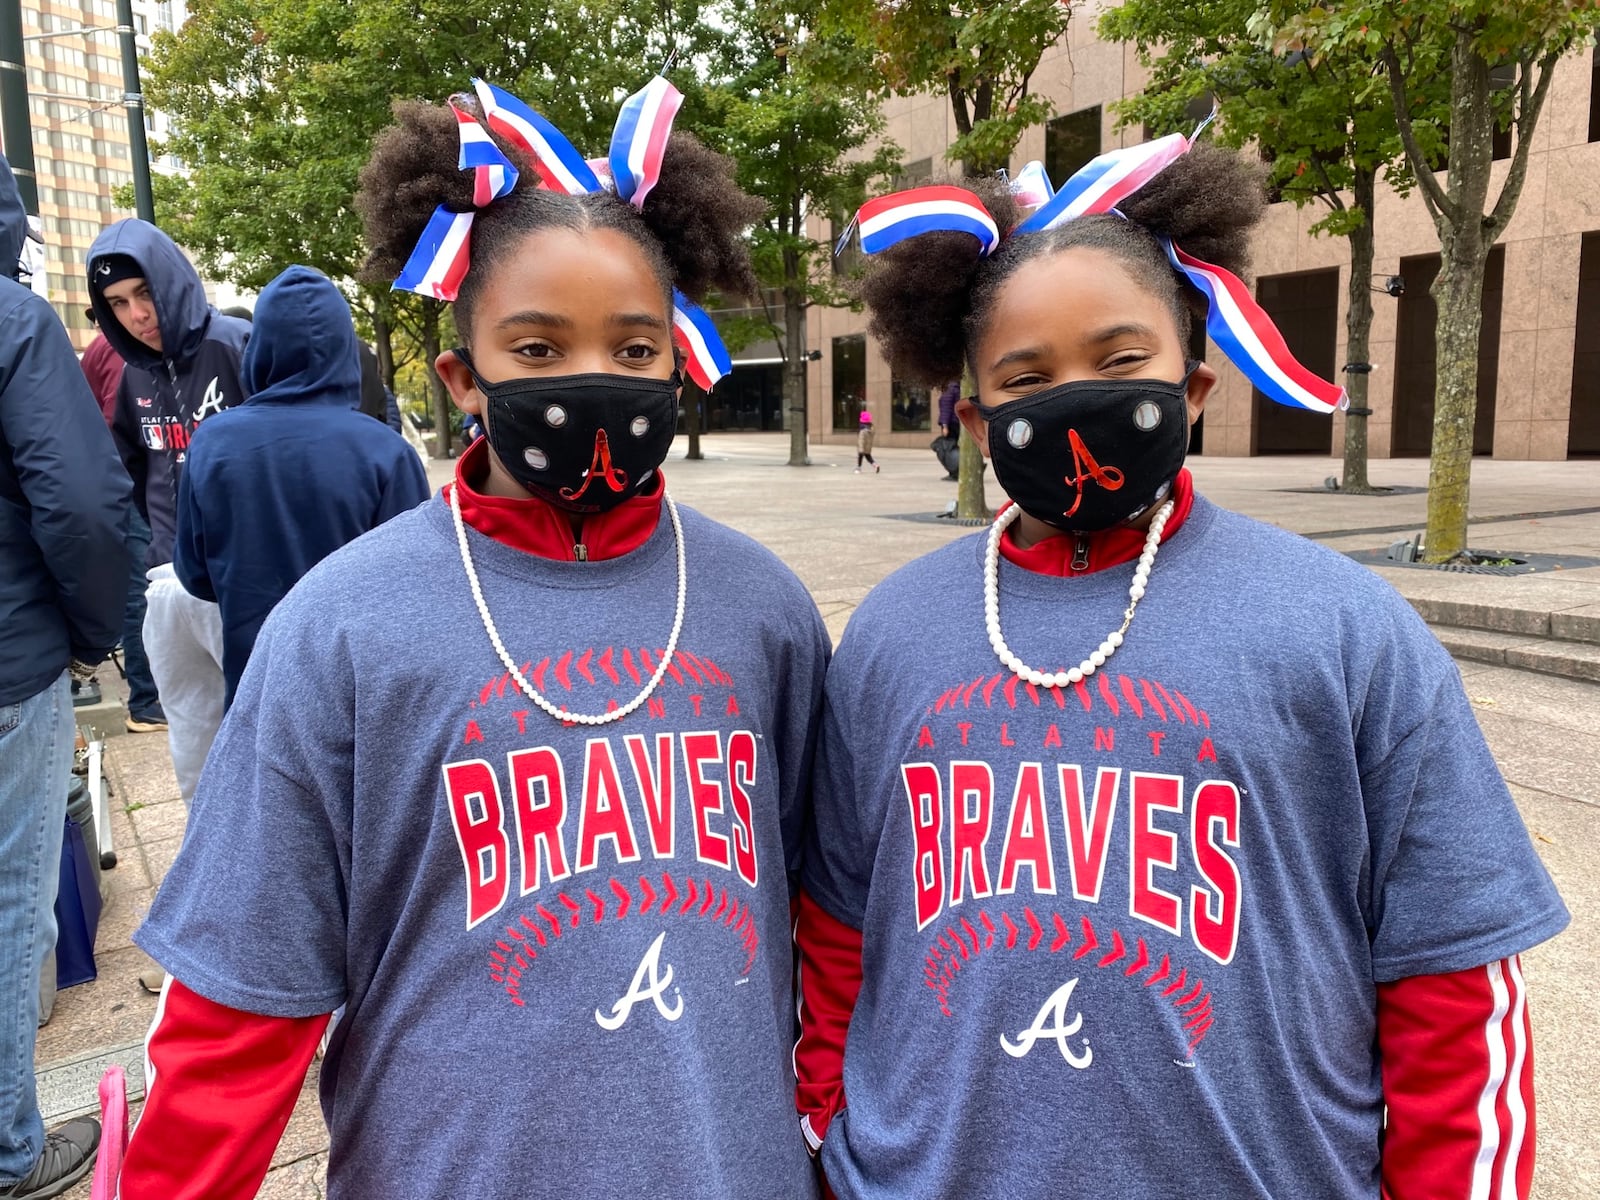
x: 930, y: 297
x: 691, y: 228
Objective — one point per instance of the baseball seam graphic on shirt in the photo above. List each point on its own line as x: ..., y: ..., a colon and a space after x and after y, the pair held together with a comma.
x: 962, y: 940
x: 1139, y: 696
x: 513, y: 954
x: 598, y: 667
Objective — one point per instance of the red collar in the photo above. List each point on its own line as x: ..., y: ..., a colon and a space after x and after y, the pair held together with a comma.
x: 1054, y: 555
x: 537, y: 527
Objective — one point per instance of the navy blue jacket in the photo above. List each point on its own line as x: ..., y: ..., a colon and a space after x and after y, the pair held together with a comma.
x: 165, y: 395
x: 276, y: 485
x: 63, y: 494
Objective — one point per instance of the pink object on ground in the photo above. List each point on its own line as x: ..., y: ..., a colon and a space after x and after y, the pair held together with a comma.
x: 113, y: 1133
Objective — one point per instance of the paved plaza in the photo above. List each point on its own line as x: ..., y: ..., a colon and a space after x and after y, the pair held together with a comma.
x: 842, y: 533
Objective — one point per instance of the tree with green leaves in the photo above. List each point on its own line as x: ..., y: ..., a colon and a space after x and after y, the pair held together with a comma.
x: 1497, y: 57
x: 796, y: 113
x: 1324, y: 124
x: 275, y: 103
x: 982, y: 56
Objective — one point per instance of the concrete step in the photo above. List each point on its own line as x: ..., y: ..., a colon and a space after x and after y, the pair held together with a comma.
x: 106, y: 718
x: 1565, y: 657
x: 1529, y: 619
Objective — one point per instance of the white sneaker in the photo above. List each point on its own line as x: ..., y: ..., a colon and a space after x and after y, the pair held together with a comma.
x: 858, y: 470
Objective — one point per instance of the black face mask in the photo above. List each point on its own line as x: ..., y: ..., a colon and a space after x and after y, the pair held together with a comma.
x: 585, y: 443
x: 1090, y: 455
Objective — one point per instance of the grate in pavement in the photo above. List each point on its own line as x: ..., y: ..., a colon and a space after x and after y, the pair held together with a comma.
x: 71, y: 1087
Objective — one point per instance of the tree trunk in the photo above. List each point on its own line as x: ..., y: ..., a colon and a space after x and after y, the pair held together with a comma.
x: 1458, y: 292
x: 794, y: 367
x: 970, y: 503
x: 383, y: 344
x: 436, y: 388
x: 692, y: 400
x: 1358, y: 336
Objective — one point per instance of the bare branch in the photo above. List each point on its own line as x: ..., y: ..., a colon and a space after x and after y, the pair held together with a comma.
x: 1438, y: 202
x: 1527, y: 118
x: 1330, y: 193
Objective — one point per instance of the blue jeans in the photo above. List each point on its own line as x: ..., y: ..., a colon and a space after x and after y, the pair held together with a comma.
x: 143, y: 701
x: 35, y: 767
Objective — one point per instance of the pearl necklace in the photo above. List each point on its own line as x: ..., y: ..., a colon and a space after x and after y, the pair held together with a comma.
x: 991, y: 604
x: 528, y: 689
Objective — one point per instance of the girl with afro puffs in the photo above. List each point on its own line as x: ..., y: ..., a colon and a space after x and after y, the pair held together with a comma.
x: 1178, y: 866
x: 545, y: 870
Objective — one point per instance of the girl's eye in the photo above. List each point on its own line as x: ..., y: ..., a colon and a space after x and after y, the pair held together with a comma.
x: 534, y: 350
x: 1030, y: 380
x: 1129, y: 361
x: 639, y: 351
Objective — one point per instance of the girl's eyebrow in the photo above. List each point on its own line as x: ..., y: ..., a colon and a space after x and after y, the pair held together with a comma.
x: 638, y: 318
x: 535, y: 317
x: 1023, y: 354
x: 1128, y: 328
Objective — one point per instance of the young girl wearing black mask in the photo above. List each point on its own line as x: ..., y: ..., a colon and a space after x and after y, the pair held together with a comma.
x: 1179, y: 866
x: 546, y: 870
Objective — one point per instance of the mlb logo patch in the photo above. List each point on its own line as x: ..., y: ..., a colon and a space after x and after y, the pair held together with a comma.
x: 155, y: 437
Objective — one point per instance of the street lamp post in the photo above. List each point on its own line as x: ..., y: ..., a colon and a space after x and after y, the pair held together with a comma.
x: 133, y: 101
x: 15, y: 127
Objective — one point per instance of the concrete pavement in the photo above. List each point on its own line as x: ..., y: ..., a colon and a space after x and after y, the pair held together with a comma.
x: 842, y: 533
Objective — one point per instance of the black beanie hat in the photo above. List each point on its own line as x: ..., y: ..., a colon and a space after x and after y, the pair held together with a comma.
x: 114, y: 268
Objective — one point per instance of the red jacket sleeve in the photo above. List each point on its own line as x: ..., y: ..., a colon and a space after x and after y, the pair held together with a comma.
x: 1457, y: 1055
x: 830, y: 981
x: 219, y: 1087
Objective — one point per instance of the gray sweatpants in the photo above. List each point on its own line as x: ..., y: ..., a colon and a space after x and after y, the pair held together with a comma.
x: 183, y: 639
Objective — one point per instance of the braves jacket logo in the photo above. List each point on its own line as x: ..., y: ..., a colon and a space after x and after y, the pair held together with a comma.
x: 649, y: 968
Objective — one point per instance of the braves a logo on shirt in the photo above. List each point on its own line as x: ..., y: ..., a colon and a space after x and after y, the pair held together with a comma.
x: 1014, y: 859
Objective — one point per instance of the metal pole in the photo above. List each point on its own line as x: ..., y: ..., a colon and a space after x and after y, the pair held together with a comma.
x: 15, y: 123
x: 133, y: 101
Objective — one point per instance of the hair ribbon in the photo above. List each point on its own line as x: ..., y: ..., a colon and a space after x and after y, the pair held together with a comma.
x: 1238, y: 325
x: 442, y: 255
x: 631, y: 169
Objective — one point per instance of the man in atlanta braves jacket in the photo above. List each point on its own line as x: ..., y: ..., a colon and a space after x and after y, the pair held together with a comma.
x: 183, y: 365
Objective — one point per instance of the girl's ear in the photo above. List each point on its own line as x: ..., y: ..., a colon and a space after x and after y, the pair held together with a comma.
x: 459, y: 382
x: 1201, y: 383
x: 977, y: 428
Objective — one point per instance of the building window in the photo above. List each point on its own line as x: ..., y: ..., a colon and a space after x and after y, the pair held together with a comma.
x: 913, y: 175
x: 1594, y: 95
x: 1070, y: 142
x: 849, y: 381
x: 911, y: 407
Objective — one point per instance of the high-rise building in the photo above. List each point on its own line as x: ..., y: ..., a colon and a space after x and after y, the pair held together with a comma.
x: 80, y: 131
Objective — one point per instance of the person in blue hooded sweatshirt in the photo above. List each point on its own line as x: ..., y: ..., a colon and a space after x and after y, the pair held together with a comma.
x: 273, y: 487
x: 182, y: 360
x: 63, y: 578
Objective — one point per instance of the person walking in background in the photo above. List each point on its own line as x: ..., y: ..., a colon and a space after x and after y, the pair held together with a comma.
x: 864, y: 444
x: 102, y: 367
x: 947, y: 446
x: 273, y: 487
x: 182, y: 361
x: 63, y: 575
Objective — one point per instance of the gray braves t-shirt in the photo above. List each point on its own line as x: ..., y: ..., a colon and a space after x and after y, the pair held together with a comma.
x: 564, y: 950
x: 1122, y: 940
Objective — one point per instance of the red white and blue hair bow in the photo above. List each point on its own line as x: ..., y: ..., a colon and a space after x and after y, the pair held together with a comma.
x: 439, y: 263
x: 1234, y: 321
x: 633, y: 167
